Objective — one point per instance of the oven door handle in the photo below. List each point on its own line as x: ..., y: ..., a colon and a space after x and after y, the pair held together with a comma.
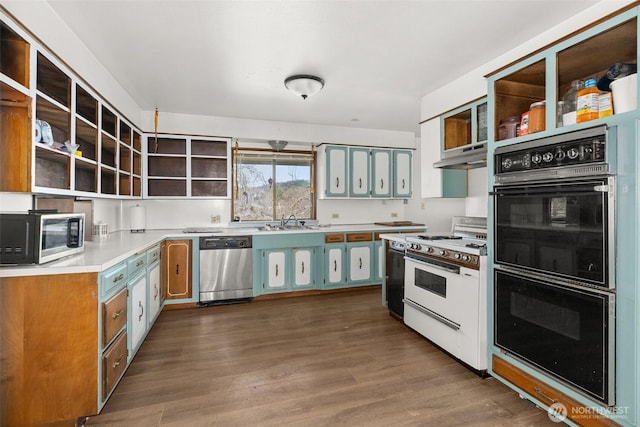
x: 453, y: 270
x: 453, y: 325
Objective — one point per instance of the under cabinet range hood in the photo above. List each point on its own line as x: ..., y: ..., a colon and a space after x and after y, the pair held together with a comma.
x: 467, y: 158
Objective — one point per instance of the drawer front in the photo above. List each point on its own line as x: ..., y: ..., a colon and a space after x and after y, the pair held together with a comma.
x: 549, y: 395
x: 114, y: 315
x: 136, y: 263
x: 153, y: 255
x: 113, y: 277
x: 114, y: 362
x: 359, y: 237
x: 334, y: 238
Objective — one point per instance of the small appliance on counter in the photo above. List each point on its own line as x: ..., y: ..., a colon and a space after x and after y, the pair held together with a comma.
x: 37, y: 237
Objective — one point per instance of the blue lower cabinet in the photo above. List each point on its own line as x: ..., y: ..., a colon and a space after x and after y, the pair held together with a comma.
x: 360, y: 263
x: 335, y: 275
x: 288, y: 269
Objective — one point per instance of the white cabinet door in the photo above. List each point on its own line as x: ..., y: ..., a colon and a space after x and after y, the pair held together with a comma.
x: 154, y: 293
x: 138, y: 313
x: 336, y: 165
x: 402, y: 169
x: 381, y: 165
x: 334, y: 273
x: 359, y: 263
x: 359, y: 172
x: 276, y: 268
x: 302, y: 274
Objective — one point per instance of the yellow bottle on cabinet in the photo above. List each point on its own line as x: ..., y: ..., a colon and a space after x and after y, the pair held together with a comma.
x: 587, y: 102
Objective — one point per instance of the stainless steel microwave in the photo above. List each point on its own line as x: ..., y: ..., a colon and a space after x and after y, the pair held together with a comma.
x: 36, y: 238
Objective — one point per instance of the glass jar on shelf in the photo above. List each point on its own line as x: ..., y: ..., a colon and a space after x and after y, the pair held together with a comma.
x: 570, y: 103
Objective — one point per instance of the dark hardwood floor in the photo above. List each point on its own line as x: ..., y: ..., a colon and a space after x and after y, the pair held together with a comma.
x: 325, y: 360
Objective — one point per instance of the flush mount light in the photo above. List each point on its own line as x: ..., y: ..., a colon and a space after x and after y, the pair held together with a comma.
x: 304, y: 85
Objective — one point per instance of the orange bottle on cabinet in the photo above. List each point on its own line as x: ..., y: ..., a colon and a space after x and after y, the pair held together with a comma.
x: 587, y: 102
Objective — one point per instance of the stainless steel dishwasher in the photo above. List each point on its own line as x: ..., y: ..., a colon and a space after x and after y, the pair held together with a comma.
x: 225, y: 269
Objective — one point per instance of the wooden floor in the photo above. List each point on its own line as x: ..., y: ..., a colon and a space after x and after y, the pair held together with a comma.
x: 324, y: 360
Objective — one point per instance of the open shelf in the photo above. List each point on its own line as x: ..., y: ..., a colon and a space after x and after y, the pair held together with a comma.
x: 14, y: 51
x: 124, y: 188
x: 87, y: 139
x: 58, y: 119
x: 125, y: 133
x: 457, y: 130
x: 137, y: 163
x: 166, y: 146
x: 167, y: 166
x: 86, y: 105
x: 137, y: 186
x: 52, y: 82
x: 208, y: 167
x: 52, y: 168
x: 167, y: 187
x: 208, y: 148
x: 108, y: 150
x: 125, y: 158
x: 107, y: 181
x: 109, y: 121
x: 206, y: 188
x: 137, y: 145
x: 85, y: 175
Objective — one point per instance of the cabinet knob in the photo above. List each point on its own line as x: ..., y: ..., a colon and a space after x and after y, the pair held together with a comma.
x: 335, y: 265
x: 337, y: 181
x: 116, y: 314
x: 302, y: 269
x: 360, y: 260
x: 381, y: 183
x: 276, y: 270
x: 141, y: 311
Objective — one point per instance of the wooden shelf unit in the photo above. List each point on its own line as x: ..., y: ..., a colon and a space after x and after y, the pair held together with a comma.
x: 183, y: 166
x: 14, y: 51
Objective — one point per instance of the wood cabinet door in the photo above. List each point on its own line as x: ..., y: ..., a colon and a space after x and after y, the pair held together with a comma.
x: 359, y: 172
x: 381, y: 173
x: 177, y: 268
x: 336, y: 171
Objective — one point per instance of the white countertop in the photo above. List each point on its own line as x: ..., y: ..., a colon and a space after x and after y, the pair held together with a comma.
x: 105, y: 252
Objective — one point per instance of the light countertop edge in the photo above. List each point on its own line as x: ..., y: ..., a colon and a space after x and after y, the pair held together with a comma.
x: 103, y: 253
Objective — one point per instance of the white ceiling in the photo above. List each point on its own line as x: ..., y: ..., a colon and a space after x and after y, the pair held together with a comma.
x: 230, y: 58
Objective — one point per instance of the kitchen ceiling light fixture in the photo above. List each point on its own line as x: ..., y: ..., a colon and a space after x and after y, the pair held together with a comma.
x: 304, y: 85
x: 278, y: 144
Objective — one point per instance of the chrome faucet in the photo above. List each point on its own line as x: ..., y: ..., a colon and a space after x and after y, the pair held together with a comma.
x: 284, y: 222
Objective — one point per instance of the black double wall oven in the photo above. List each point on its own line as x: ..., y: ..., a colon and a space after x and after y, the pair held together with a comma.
x: 554, y: 257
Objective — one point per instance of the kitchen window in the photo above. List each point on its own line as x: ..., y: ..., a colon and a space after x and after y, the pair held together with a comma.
x: 270, y: 185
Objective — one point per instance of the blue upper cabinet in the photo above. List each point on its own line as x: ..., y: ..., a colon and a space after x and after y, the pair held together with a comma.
x: 402, y: 172
x: 359, y: 172
x: 548, y: 75
x: 381, y: 178
x: 336, y: 171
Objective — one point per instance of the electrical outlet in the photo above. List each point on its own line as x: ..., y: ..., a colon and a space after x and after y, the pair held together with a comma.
x: 422, y: 205
x: 394, y: 215
x: 215, y: 218
x: 335, y: 215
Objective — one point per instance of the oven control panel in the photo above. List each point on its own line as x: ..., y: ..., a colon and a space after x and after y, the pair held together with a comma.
x: 581, y: 152
x: 424, y: 251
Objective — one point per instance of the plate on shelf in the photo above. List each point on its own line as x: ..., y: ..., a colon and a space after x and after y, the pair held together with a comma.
x: 45, y: 132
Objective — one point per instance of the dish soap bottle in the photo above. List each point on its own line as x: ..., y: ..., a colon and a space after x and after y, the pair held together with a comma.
x: 569, y: 107
x: 587, y: 102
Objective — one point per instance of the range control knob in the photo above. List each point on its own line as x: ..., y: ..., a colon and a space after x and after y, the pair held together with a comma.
x: 429, y: 249
x: 466, y: 258
x: 457, y: 255
x: 573, y: 153
x: 415, y: 246
x: 442, y: 252
x: 507, y: 163
x: 547, y: 157
x: 560, y: 154
x: 536, y: 158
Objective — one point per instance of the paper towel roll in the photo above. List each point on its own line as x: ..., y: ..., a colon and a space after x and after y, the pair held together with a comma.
x: 138, y: 219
